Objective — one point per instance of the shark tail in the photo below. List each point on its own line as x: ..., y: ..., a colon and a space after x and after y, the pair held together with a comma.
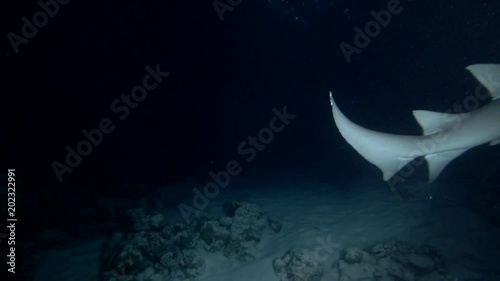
x: 391, y: 152
x: 375, y: 147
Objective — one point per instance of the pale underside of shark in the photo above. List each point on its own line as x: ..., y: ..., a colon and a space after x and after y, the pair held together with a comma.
x: 445, y: 135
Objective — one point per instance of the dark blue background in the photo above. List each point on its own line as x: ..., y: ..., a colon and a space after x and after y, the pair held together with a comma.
x: 226, y: 77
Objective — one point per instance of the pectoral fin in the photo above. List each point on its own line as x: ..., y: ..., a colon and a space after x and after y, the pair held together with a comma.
x: 437, y: 162
x: 495, y: 142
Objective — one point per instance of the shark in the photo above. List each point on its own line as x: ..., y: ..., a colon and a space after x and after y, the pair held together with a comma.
x: 445, y: 135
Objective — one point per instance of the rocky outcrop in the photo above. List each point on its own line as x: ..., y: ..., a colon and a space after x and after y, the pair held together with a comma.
x: 391, y: 261
x: 155, y: 250
x: 298, y: 265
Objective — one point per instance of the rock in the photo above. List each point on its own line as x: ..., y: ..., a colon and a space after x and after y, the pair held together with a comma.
x: 147, y: 274
x: 394, y: 270
x: 392, y: 261
x: 157, y: 222
x: 356, y: 255
x: 183, y: 264
x: 153, y: 255
x: 359, y: 271
x: 181, y: 235
x: 111, y: 249
x: 139, y: 219
x: 196, y: 219
x: 214, y: 235
x: 230, y: 208
x: 156, y: 252
x: 297, y: 265
x: 391, y: 248
x: 248, y: 216
x: 249, y: 222
x: 225, y: 221
x: 274, y: 224
x: 423, y: 264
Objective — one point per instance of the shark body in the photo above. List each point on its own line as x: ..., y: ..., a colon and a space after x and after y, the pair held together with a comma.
x: 445, y: 135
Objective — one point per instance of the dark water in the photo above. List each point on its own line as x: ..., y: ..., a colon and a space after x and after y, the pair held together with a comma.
x: 78, y: 143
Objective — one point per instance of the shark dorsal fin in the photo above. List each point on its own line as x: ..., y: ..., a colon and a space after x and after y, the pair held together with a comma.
x: 489, y: 76
x: 433, y: 122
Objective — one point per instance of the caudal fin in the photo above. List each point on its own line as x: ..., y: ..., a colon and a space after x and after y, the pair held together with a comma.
x: 386, y: 151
